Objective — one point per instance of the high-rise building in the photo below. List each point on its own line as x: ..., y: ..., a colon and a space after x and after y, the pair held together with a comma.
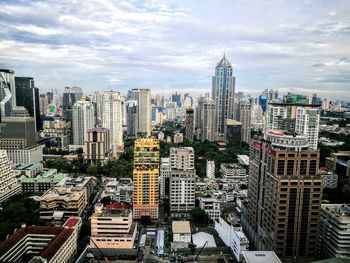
x: 210, y: 171
x: 111, y: 118
x: 27, y: 95
x: 270, y: 94
x: 335, y: 230
x: 189, y: 124
x: 223, y: 92
x: 208, y: 121
x: 59, y: 131
x: 182, y: 181
x: 316, y: 100
x: 295, y: 114
x: 245, y: 119
x: 8, y: 182
x: 70, y: 96
x: 233, y: 132
x: 43, y: 104
x: 7, y: 95
x: 83, y: 114
x: 164, y: 178
x: 284, y: 195
x: 176, y: 98
x: 146, y: 178
x: 131, y: 118
x: 97, y: 147
x: 144, y: 118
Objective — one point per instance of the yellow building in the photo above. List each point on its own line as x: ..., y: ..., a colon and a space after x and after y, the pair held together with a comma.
x: 146, y: 178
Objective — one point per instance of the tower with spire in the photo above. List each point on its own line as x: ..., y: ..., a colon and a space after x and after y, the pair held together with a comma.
x: 223, y: 92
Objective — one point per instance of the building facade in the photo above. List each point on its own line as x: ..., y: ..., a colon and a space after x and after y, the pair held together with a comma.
x: 245, y: 119
x: 208, y: 121
x: 210, y: 169
x: 58, y: 130
x: 144, y: 118
x: 189, y: 124
x: 97, y: 149
x: 233, y: 132
x: 83, y: 114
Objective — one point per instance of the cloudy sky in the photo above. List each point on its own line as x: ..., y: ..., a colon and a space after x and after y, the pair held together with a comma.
x: 169, y: 45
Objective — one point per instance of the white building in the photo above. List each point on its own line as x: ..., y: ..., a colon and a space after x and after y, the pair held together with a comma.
x: 83, y: 113
x: 112, y: 118
x: 210, y: 172
x: 211, y: 206
x: 335, y: 230
x: 233, y: 172
x: 182, y: 158
x: 178, y: 137
x: 33, y: 154
x: 260, y: 257
x: 8, y: 182
x: 208, y: 123
x: 164, y: 177
x: 181, y: 231
x: 233, y: 237
x: 144, y: 109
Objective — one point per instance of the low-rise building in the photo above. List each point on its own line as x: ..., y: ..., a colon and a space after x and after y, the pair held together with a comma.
x: 181, y: 231
x: 42, y: 244
x: 28, y: 169
x: 178, y: 137
x: 335, y: 230
x: 233, y: 171
x: 330, y: 179
x: 211, y: 206
x: 112, y: 227
x: 87, y: 183
x: 260, y: 257
x: 32, y: 154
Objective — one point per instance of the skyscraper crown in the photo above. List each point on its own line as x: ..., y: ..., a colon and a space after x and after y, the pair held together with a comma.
x: 224, y: 62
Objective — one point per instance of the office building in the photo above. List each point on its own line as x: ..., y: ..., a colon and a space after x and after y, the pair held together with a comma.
x: 97, y: 149
x: 83, y: 113
x: 182, y: 158
x: 31, y: 154
x: 27, y: 95
x: 43, y: 104
x: 112, y: 118
x: 295, y: 114
x: 144, y: 118
x: 208, y: 121
x: 165, y: 170
x: 339, y: 163
x: 7, y: 93
x: 42, y: 243
x: 245, y: 119
x: 284, y: 195
x: 70, y: 97
x: 211, y: 206
x: 223, y: 92
x: 86, y: 183
x: 112, y: 227
x: 146, y: 178
x: 189, y: 124
x: 233, y: 132
x: 270, y: 94
x: 210, y: 171
x: 233, y: 172
x: 58, y: 131
x: 131, y: 118
x: 176, y: 98
x: 335, y: 231
x: 8, y: 183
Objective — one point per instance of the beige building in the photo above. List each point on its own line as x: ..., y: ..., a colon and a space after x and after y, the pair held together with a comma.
x: 59, y: 130
x: 181, y: 231
x: 60, y: 203
x: 97, y: 149
x: 112, y: 227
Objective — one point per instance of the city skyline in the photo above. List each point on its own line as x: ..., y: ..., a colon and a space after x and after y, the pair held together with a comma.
x: 172, y: 45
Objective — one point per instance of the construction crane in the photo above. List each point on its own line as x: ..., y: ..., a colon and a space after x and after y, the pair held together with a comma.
x: 99, y: 250
x: 200, y: 251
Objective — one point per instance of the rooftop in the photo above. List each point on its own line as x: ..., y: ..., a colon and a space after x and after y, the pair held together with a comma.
x: 27, y: 166
x: 260, y: 257
x: 200, y: 238
x: 181, y: 227
x: 224, y: 62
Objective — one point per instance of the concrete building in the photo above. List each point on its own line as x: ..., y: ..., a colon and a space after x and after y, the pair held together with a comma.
x: 178, y: 137
x: 181, y: 231
x: 210, y: 171
x: 86, y: 183
x: 189, y: 124
x: 42, y: 244
x: 182, y: 158
x: 83, y: 114
x: 112, y: 227
x: 260, y: 257
x: 208, y: 123
x: 165, y: 171
x: 144, y: 118
x: 223, y: 92
x: 339, y: 163
x: 329, y: 179
x: 131, y: 118
x: 97, y: 149
x: 146, y: 178
x: 70, y: 97
x: 233, y: 237
x: 8, y: 183
x: 28, y: 169
x: 233, y: 172
x: 284, y: 191
x: 211, y: 206
x: 233, y: 132
x: 245, y: 119
x: 7, y: 93
x: 112, y: 118
x: 58, y: 130
x: 335, y: 231
x: 32, y: 154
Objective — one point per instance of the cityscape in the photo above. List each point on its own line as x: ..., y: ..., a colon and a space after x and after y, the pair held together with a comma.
x: 212, y: 172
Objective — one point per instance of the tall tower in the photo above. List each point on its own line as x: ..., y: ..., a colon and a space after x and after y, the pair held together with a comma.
x: 83, y: 115
x: 144, y: 118
x: 131, y: 118
x: 208, y: 121
x: 146, y: 178
x: 284, y: 195
x: 7, y: 96
x: 223, y: 92
x: 245, y: 119
x: 70, y: 96
x: 111, y: 117
x: 189, y: 124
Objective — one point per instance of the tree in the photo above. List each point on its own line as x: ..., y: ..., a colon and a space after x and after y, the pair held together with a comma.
x: 92, y: 169
x: 198, y: 216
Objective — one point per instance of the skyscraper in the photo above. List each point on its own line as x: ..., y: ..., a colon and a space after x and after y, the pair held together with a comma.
x: 111, y: 118
x: 27, y: 95
x: 97, y: 147
x: 131, y: 118
x: 146, y: 178
x: 208, y: 121
x: 83, y: 115
x: 284, y: 195
x: 223, y: 92
x: 176, y: 98
x: 245, y: 119
x: 144, y: 118
x: 7, y: 87
x: 189, y: 124
x: 295, y: 114
x: 70, y: 96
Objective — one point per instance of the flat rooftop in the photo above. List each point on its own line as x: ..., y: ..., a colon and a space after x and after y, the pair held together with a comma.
x: 260, y: 257
x: 181, y: 227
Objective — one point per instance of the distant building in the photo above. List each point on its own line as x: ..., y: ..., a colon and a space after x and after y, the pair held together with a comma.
x: 131, y: 118
x: 178, y: 137
x: 112, y: 227
x: 83, y: 114
x: 210, y: 170
x: 189, y: 124
x: 176, y: 98
x: 181, y: 231
x: 245, y: 119
x: 58, y: 130
x: 233, y: 132
x: 97, y: 149
x: 144, y: 118
x: 208, y: 123
x: 335, y: 230
x: 70, y: 97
